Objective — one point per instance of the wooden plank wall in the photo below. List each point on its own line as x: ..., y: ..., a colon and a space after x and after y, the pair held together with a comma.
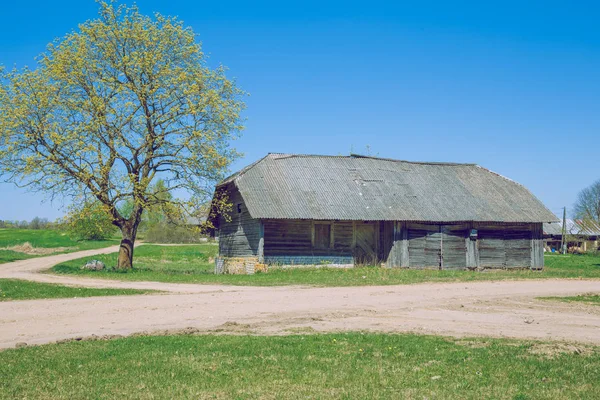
x: 424, y: 245
x: 342, y: 236
x: 472, y: 250
x: 294, y: 237
x: 387, y: 240
x: 367, y: 236
x: 288, y: 237
x: 490, y: 246
x: 450, y: 246
x: 239, y: 237
x: 394, y: 258
x: 454, y: 247
x: 400, y: 244
x: 504, y: 246
x: 537, y: 246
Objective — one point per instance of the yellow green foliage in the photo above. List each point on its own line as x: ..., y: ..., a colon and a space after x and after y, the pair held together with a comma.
x: 116, y: 105
x: 92, y: 221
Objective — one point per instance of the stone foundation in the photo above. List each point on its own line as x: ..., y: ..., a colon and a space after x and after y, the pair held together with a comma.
x: 250, y: 265
x: 238, y: 265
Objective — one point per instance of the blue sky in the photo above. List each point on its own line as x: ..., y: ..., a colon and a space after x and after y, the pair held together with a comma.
x: 512, y: 86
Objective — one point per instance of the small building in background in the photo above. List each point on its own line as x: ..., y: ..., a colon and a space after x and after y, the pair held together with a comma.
x: 581, y: 236
x: 311, y: 210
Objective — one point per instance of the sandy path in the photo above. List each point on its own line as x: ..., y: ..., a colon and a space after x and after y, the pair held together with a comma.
x: 497, y: 309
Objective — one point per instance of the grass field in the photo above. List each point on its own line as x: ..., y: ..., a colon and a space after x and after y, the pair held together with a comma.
x: 13, y: 289
x: 43, y: 238
x: 193, y: 263
x: 342, y: 366
x: 589, y: 298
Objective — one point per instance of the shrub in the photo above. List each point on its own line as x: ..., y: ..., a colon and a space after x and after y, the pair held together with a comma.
x: 90, y: 222
x: 170, y: 233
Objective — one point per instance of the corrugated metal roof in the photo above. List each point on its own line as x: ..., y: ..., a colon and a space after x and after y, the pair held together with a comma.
x: 574, y: 227
x: 291, y: 186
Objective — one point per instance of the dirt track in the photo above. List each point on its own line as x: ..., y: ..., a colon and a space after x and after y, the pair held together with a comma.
x: 497, y: 309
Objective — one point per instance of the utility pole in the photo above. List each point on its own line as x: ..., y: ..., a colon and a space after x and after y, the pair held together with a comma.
x: 563, y: 237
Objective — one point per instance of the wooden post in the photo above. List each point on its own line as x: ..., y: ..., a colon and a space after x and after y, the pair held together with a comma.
x: 405, y: 261
x: 261, y: 243
x: 472, y: 250
x: 441, y: 231
x: 395, y: 256
x: 563, y: 240
x: 331, y: 235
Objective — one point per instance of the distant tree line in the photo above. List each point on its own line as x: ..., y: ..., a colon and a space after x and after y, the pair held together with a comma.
x: 35, y: 223
x: 92, y: 221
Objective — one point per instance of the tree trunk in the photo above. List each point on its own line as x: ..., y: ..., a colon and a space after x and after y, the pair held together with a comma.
x: 125, y: 260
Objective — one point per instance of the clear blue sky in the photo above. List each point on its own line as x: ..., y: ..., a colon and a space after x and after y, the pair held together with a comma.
x: 513, y: 86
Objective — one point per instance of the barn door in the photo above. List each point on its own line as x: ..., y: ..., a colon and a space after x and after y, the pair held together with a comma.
x: 365, y: 251
x: 506, y: 248
x: 425, y: 246
x: 491, y: 249
x: 517, y: 245
x: 454, y: 248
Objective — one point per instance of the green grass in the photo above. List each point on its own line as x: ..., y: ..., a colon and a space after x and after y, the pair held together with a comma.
x: 15, y: 289
x: 193, y: 264
x: 337, y: 366
x: 589, y: 298
x: 44, y: 238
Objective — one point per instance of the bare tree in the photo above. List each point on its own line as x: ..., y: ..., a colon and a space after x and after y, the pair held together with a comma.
x: 587, y: 206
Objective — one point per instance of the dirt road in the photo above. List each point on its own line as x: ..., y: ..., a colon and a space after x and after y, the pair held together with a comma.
x: 496, y: 309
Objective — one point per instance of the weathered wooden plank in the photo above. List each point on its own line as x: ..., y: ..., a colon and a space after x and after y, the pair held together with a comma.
x: 491, y: 249
x: 505, y: 246
x: 261, y: 243
x: 238, y: 236
x: 537, y: 247
x: 472, y: 250
x: 298, y: 238
x: 394, y: 259
x: 405, y: 260
x: 424, y: 245
x: 454, y: 251
x: 288, y: 237
x: 365, y: 252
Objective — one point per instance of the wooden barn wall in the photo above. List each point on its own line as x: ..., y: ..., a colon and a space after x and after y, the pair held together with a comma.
x: 239, y: 237
x: 454, y: 246
x: 537, y: 246
x: 288, y: 237
x: 343, y: 232
x: 399, y: 244
x: 449, y: 246
x: 387, y: 240
x: 504, y: 246
x: 294, y: 237
x: 424, y: 245
x: 398, y: 253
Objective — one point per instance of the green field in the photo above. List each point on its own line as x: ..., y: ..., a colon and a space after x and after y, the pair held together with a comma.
x: 14, y: 289
x: 194, y: 264
x: 43, y: 238
x: 340, y: 366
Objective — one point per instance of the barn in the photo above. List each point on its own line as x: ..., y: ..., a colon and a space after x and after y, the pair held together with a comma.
x: 342, y: 211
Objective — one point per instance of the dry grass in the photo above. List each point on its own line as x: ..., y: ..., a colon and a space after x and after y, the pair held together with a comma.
x: 27, y: 248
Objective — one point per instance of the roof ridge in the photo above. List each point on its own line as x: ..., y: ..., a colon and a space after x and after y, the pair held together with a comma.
x: 354, y: 155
